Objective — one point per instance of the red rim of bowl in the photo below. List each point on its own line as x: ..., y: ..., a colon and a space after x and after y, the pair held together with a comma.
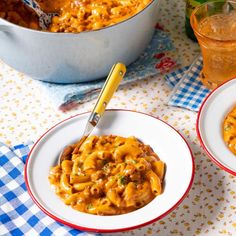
x: 213, y: 158
x: 106, y: 230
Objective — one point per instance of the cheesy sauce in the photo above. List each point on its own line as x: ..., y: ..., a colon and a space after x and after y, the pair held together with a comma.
x: 108, y: 175
x: 229, y: 130
x: 73, y: 15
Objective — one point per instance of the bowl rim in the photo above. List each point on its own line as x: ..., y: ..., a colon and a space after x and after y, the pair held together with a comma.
x: 108, y: 230
x: 8, y: 23
x: 212, y: 157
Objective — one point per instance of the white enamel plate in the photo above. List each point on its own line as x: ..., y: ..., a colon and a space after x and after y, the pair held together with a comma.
x: 210, y: 122
x: 165, y: 141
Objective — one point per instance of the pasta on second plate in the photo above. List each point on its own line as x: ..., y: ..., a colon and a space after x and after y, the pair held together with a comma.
x: 229, y: 130
x: 108, y: 175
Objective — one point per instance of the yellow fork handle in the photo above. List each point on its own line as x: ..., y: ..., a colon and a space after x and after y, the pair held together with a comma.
x: 111, y: 84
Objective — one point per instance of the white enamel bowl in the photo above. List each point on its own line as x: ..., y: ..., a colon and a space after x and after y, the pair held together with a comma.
x: 166, y: 142
x: 210, y: 121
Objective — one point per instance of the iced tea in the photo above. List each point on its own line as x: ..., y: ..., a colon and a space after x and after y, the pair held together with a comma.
x: 214, y: 25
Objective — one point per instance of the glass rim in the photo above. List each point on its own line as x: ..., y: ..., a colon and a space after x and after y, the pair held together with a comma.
x: 202, y: 35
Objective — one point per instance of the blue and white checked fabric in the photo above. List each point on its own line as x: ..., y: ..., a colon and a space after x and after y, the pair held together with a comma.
x: 18, y: 213
x: 188, y: 90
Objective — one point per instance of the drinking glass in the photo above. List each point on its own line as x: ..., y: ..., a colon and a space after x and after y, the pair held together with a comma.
x: 214, y: 24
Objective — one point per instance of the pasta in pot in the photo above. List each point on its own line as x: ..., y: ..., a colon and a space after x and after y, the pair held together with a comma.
x: 109, y: 175
x: 18, y: 13
x: 84, y: 15
x: 78, y: 15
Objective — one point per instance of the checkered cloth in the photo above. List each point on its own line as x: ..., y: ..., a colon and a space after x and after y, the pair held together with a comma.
x: 188, y: 90
x: 18, y: 213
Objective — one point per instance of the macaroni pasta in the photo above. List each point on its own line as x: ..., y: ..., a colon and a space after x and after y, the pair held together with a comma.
x: 73, y: 15
x: 108, y: 175
x: 229, y: 130
x: 18, y: 13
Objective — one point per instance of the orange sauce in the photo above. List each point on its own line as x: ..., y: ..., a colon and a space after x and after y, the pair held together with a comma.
x: 108, y: 175
x: 229, y: 130
x: 73, y: 15
x: 16, y: 12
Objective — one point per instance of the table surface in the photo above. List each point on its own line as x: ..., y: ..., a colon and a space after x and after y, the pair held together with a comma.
x: 209, y: 208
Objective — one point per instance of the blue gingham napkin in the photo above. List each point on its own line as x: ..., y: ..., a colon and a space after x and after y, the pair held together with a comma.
x: 18, y: 213
x: 154, y: 60
x: 188, y: 91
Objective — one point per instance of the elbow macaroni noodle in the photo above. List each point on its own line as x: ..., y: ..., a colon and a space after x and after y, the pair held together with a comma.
x: 229, y: 130
x: 73, y: 15
x: 108, y: 175
x: 18, y: 13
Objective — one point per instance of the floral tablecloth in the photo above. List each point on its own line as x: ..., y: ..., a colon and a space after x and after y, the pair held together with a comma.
x: 210, y: 207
